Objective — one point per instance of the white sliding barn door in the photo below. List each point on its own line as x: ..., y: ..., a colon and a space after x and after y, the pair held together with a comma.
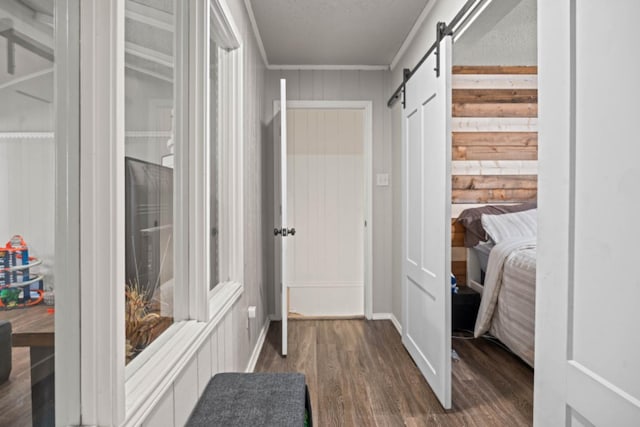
x: 326, y: 200
x: 588, y: 288
x: 426, y: 331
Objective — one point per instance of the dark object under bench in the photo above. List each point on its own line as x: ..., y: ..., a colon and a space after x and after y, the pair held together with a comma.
x: 253, y: 399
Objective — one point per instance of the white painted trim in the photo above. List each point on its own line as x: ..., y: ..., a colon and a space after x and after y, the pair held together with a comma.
x: 336, y: 67
x: 102, y: 212
x: 255, y: 354
x: 326, y: 285
x: 367, y: 106
x: 67, y: 213
x: 199, y: 167
x: 181, y: 200
x: 230, y: 133
x: 223, y: 28
x: 351, y: 105
x: 28, y: 77
x: 414, y: 30
x: 151, y: 14
x: 149, y: 54
x: 256, y: 31
x: 388, y: 316
x: 27, y: 135
x: 144, y: 18
x: 149, y: 134
x: 149, y: 73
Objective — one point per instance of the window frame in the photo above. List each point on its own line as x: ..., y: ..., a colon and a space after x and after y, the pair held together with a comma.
x: 111, y: 394
x: 224, y: 33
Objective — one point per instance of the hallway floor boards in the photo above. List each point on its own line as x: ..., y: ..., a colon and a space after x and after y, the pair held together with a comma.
x: 359, y: 374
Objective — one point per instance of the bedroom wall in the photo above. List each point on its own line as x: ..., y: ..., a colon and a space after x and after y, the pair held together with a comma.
x: 343, y: 85
x: 495, y: 143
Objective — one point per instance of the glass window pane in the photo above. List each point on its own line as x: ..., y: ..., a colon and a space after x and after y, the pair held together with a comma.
x: 150, y: 149
x: 27, y: 218
x: 214, y: 153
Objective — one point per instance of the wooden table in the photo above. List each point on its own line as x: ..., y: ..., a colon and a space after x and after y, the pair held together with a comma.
x: 33, y: 327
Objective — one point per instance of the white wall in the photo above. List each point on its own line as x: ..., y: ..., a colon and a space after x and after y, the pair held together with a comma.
x: 443, y: 10
x: 255, y: 283
x: 343, y: 85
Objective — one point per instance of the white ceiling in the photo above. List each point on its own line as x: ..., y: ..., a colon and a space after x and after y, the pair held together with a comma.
x: 334, y: 32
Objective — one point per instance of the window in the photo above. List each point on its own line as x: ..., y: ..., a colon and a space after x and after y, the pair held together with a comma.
x: 214, y: 166
x: 153, y: 151
x: 39, y: 157
x: 158, y: 192
x: 225, y: 110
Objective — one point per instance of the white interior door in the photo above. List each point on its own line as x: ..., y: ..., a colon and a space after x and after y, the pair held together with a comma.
x: 426, y: 331
x: 587, y: 352
x: 326, y: 198
x: 283, y: 231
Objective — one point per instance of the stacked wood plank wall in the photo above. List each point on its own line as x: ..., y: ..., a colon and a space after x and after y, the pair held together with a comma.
x: 495, y: 143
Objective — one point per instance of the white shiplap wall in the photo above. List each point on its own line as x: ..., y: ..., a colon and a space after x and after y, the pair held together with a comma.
x: 229, y: 346
x: 219, y: 352
x: 345, y: 85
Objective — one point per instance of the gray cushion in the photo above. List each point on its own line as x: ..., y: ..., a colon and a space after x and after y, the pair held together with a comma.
x: 252, y: 399
x: 5, y: 350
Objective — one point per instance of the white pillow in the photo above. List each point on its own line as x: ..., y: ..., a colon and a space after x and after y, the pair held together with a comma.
x: 506, y: 226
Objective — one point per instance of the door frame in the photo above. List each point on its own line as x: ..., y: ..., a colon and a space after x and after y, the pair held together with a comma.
x: 367, y: 108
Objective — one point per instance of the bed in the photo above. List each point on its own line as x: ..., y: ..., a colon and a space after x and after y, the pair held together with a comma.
x: 507, y: 276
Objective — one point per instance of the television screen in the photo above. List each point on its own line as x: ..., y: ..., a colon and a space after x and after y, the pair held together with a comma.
x: 149, y: 225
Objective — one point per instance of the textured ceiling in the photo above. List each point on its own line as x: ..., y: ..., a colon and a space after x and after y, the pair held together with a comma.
x: 334, y: 32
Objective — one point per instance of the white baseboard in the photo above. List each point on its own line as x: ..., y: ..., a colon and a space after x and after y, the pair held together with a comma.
x: 251, y: 366
x: 388, y: 316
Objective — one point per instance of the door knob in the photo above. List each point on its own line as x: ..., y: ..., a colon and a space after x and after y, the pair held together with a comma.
x: 284, y: 231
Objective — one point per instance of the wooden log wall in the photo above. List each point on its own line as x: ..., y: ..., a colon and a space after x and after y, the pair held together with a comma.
x: 495, y: 142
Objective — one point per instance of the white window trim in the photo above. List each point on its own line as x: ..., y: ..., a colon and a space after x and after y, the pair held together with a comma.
x: 230, y: 160
x: 102, y: 349
x: 103, y: 383
x: 67, y: 211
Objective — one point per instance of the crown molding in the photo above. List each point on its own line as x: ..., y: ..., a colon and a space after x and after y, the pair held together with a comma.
x: 416, y: 26
x: 329, y: 67
x: 256, y: 31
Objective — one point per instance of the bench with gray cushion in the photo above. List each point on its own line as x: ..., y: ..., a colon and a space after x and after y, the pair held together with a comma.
x: 5, y: 350
x: 253, y: 399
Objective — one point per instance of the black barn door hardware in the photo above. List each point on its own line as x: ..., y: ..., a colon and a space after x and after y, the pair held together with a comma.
x: 463, y: 16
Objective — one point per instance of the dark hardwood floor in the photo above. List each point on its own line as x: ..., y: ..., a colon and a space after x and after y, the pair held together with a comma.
x: 15, y: 394
x: 359, y: 374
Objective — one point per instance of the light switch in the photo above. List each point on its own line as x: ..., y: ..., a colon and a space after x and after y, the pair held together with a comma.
x: 382, y: 179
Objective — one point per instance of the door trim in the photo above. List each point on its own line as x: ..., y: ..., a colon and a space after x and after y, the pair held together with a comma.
x: 367, y: 107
